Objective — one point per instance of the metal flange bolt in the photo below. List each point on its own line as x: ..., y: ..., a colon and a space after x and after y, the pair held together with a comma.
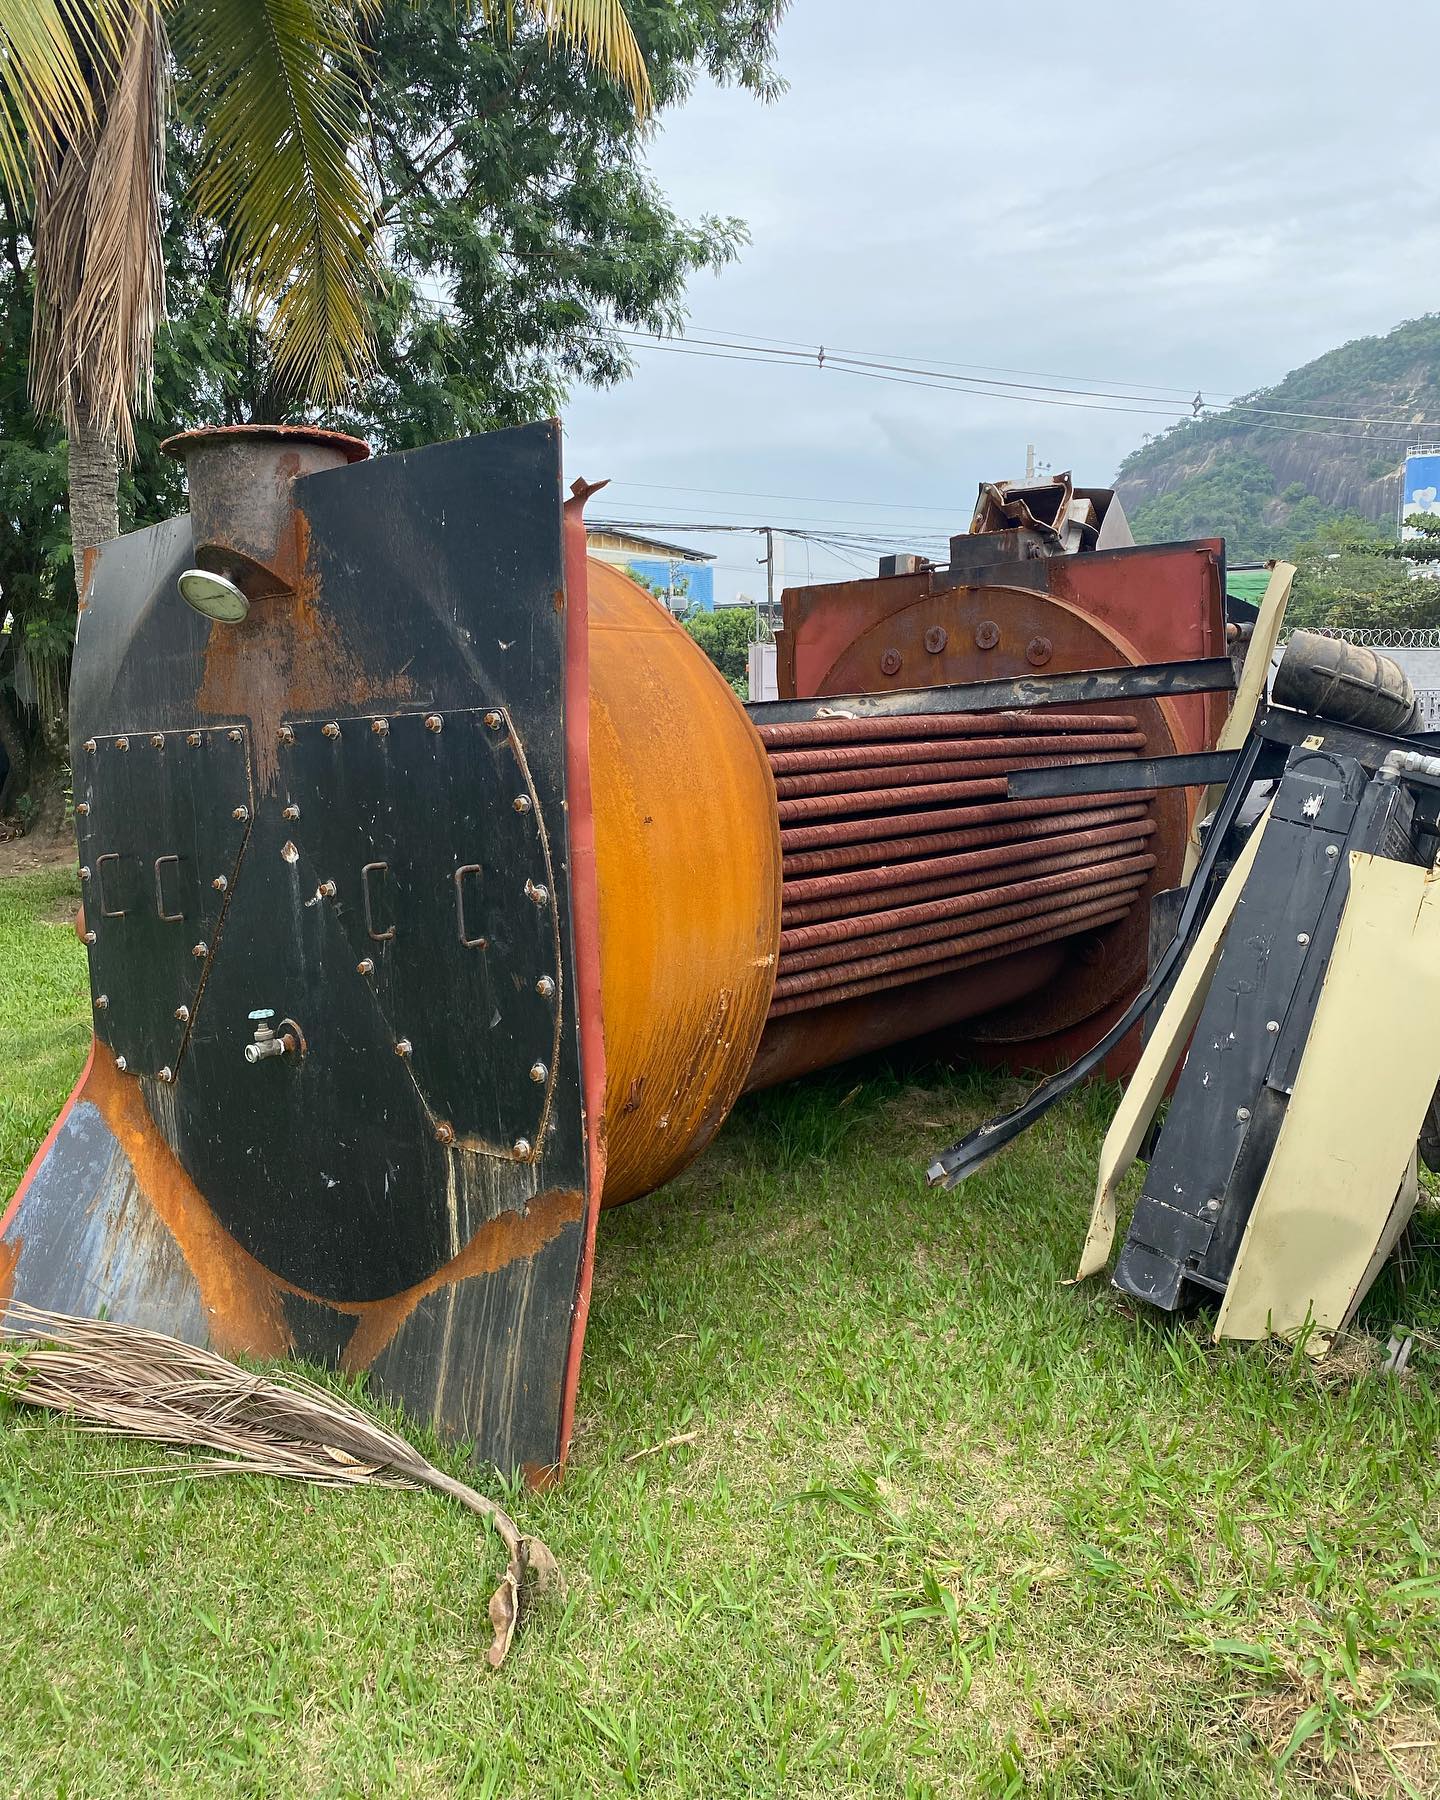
x: 444, y: 1134
x: 166, y: 1074
x: 539, y: 1073
x: 235, y: 734
x: 365, y: 966
x: 287, y: 734
x: 433, y: 722
x: 330, y: 730
x: 291, y: 812
x: 545, y: 987
x: 122, y: 743
x: 121, y: 1064
x: 220, y: 884
x: 200, y: 949
x: 404, y: 1047
x: 157, y: 740
x: 521, y: 803
x: 89, y: 937
x: 83, y: 809
x: 90, y: 746
x: 381, y: 727
x: 240, y: 814
x: 101, y: 1002
x: 494, y: 720
x: 537, y: 892
x: 522, y: 1146
x: 182, y: 1013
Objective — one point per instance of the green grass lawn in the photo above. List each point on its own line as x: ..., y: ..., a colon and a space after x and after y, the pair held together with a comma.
x: 940, y: 1524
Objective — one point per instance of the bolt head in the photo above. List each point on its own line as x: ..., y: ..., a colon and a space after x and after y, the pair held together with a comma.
x: 235, y: 734
x: 444, y: 1134
x: 537, y: 892
x: 539, y: 1073
x: 1242, y: 1113
x: 433, y: 722
x: 1272, y: 1025
x: 291, y: 812
x: 182, y: 1013
x: 122, y: 743
x: 83, y: 808
x: 381, y: 727
x: 84, y: 873
x: 365, y: 966
x: 545, y: 987
x: 1332, y: 850
x: 192, y: 738
x: 330, y: 730
x: 101, y: 1002
x: 121, y: 1064
x: 936, y: 639
x: 327, y: 888
x: 157, y: 740
x: 521, y: 803
x: 889, y: 662
x: 89, y: 937
x: 403, y: 1047
x: 494, y: 720
x: 167, y: 1073
x: 1038, y: 652
x: 219, y: 884
x: 287, y: 734
x: 522, y: 1146
x: 201, y: 949
x: 240, y: 814
x: 90, y: 746
x: 987, y: 635
x: 1302, y: 937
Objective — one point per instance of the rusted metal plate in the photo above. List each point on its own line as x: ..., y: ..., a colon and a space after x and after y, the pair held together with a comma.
x: 405, y: 1188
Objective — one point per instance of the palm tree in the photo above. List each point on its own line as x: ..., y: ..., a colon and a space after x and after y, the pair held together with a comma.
x: 274, y: 92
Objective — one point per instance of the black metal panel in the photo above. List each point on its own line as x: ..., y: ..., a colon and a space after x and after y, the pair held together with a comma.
x: 420, y: 1213
x: 1141, y: 681
x: 1192, y: 1177
x: 445, y: 905
x: 1194, y: 769
x: 162, y: 819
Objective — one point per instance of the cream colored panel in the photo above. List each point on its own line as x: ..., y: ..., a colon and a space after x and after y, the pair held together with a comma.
x: 1250, y: 692
x: 1328, y: 1199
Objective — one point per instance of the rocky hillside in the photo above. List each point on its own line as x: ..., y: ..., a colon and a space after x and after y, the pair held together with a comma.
x: 1269, y: 484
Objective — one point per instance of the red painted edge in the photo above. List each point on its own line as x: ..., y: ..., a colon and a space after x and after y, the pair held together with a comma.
x: 45, y: 1148
x: 585, y: 922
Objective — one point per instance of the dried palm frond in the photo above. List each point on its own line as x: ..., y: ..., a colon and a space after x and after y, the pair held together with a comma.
x: 117, y: 1378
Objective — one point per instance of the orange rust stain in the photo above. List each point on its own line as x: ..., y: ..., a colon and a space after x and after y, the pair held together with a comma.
x: 9, y: 1261
x: 287, y: 657
x: 687, y: 857
x: 240, y: 1296
x: 512, y: 1237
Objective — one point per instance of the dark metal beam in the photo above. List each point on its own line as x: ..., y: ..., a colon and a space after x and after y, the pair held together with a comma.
x: 1198, y: 769
x: 1142, y: 681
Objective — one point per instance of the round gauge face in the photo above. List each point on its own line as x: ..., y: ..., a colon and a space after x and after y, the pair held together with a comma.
x: 213, y: 596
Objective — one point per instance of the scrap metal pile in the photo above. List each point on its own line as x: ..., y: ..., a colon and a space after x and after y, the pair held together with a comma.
x: 438, y: 891
x: 1302, y: 991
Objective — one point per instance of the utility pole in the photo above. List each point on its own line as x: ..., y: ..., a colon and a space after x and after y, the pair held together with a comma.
x: 1029, y: 465
x: 769, y: 561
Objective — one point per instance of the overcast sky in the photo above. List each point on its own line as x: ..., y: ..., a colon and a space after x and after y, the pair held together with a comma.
x: 1181, y: 196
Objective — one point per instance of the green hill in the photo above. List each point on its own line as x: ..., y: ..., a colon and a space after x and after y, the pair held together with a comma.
x: 1268, y: 489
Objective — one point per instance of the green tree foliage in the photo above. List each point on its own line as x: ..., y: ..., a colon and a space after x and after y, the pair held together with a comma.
x: 1235, y: 497
x: 521, y: 232
x: 725, y: 636
x: 1347, y: 576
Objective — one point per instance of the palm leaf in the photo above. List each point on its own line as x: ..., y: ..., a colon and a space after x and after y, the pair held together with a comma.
x: 271, y: 86
x: 120, y: 1379
x: 602, y: 30
x: 44, y: 95
x: 99, y: 262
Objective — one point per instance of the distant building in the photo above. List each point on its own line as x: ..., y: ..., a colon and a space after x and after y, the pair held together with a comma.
x: 682, y: 576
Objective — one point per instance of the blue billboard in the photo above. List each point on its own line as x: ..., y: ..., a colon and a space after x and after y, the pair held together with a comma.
x: 1421, y: 490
